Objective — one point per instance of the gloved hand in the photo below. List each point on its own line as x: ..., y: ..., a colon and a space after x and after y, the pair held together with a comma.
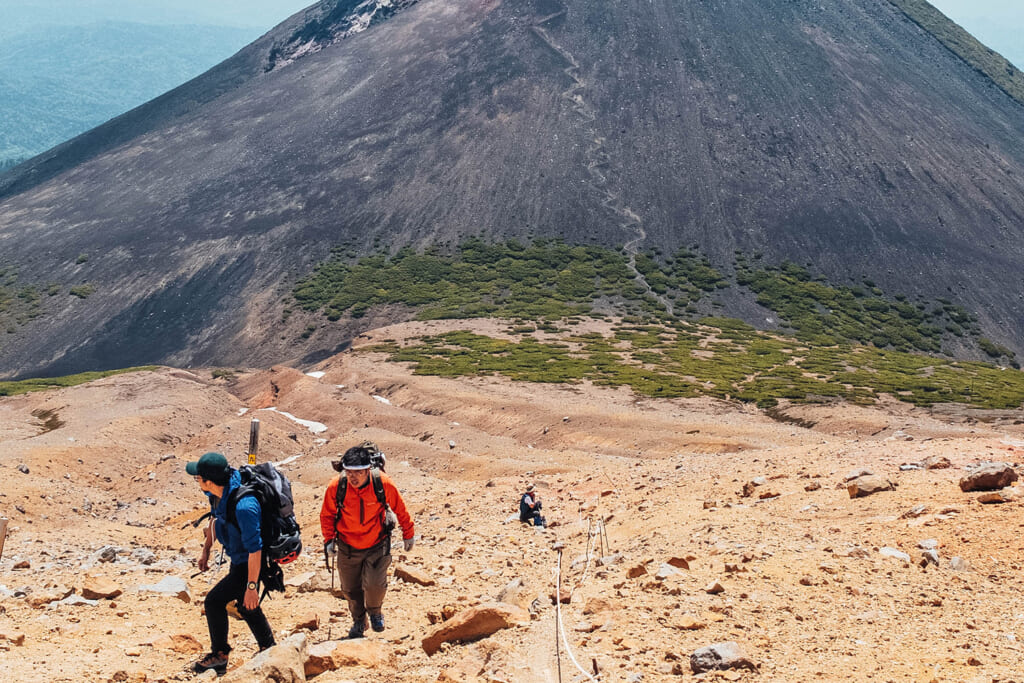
x: 409, y: 542
x: 331, y: 548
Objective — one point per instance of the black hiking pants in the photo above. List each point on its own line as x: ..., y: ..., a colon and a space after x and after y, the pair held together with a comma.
x: 232, y: 587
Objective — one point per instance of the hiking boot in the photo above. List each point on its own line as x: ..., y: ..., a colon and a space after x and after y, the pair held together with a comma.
x: 377, y: 622
x: 218, y: 661
x: 358, y: 629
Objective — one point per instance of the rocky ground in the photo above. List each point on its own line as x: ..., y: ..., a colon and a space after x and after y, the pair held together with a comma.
x: 720, y: 524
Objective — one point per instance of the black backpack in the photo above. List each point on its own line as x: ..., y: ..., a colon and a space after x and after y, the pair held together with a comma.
x: 279, y: 530
x: 389, y: 521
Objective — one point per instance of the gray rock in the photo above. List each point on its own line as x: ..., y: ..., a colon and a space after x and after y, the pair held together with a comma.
x: 282, y: 663
x: 78, y: 600
x: 915, y: 511
x: 959, y: 564
x: 894, y: 554
x: 928, y: 544
x: 170, y: 586
x: 666, y: 570
x: 107, y: 553
x: 144, y: 556
x: 929, y: 557
x: 988, y: 476
x: 23, y: 469
x: 719, y: 657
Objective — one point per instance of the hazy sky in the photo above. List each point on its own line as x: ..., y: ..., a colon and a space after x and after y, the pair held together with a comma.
x: 997, y: 23
x: 263, y: 14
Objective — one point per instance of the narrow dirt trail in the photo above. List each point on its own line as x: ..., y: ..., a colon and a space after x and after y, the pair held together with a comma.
x: 599, y: 166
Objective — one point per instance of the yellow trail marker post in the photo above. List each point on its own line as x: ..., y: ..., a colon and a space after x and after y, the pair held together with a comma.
x: 254, y: 440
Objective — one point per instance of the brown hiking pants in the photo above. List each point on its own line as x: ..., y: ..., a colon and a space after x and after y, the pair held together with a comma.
x: 364, y: 578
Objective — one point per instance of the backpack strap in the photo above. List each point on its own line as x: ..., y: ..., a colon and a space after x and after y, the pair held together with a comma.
x: 378, y: 487
x: 378, y: 491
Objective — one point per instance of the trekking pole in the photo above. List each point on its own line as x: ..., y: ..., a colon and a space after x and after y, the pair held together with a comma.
x: 3, y: 534
x: 604, y: 530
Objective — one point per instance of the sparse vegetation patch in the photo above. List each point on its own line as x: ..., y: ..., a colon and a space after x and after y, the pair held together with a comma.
x: 735, y: 362
x: 43, y: 383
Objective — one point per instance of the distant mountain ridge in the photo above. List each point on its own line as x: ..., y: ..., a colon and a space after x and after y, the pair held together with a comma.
x: 838, y: 134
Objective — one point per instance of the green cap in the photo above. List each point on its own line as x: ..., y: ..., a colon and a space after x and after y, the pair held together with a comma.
x: 210, y: 466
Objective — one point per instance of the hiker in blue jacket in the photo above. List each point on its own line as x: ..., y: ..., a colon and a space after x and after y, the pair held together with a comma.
x: 243, y: 544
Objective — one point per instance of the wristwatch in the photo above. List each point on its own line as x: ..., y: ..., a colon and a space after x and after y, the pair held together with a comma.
x: 251, y: 585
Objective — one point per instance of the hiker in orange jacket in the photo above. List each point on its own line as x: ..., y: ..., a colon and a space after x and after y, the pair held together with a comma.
x: 360, y: 536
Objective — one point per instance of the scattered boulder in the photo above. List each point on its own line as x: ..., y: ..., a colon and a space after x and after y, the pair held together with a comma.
x: 309, y: 622
x: 515, y: 593
x: 107, y: 553
x: 936, y: 462
x: 812, y: 486
x: 689, y: 622
x: 959, y: 564
x: 714, y: 588
x: 413, y: 575
x: 1008, y: 495
x: 43, y: 598
x: 719, y: 657
x: 475, y: 623
x: 23, y: 564
x: 183, y: 643
x: 14, y: 637
x: 636, y: 571
x: 144, y: 556
x: 666, y: 570
x: 915, y: 511
x: 331, y: 655
x: 678, y: 562
x: 283, y: 663
x: 300, y: 581
x: 78, y: 600
x: 929, y: 557
x: 868, y: 485
x: 608, y: 560
x: 988, y: 476
x: 100, y: 588
x: 857, y: 474
x: 23, y: 469
x: 170, y: 585
x: 894, y: 554
x: 596, y: 605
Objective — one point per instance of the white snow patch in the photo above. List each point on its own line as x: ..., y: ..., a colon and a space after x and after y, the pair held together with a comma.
x: 317, y: 374
x: 242, y: 411
x: 288, y: 461
x: 382, y: 399
x: 315, y: 427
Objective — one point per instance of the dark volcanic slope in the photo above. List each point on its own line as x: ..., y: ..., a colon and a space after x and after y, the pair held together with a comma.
x: 834, y: 132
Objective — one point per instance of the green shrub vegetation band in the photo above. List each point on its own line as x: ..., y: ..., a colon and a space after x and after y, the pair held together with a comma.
x: 43, y: 383
x: 692, y: 360
x: 847, y: 341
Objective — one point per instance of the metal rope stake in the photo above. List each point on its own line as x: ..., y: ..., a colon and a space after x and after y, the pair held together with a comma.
x: 558, y: 614
x: 560, y: 625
